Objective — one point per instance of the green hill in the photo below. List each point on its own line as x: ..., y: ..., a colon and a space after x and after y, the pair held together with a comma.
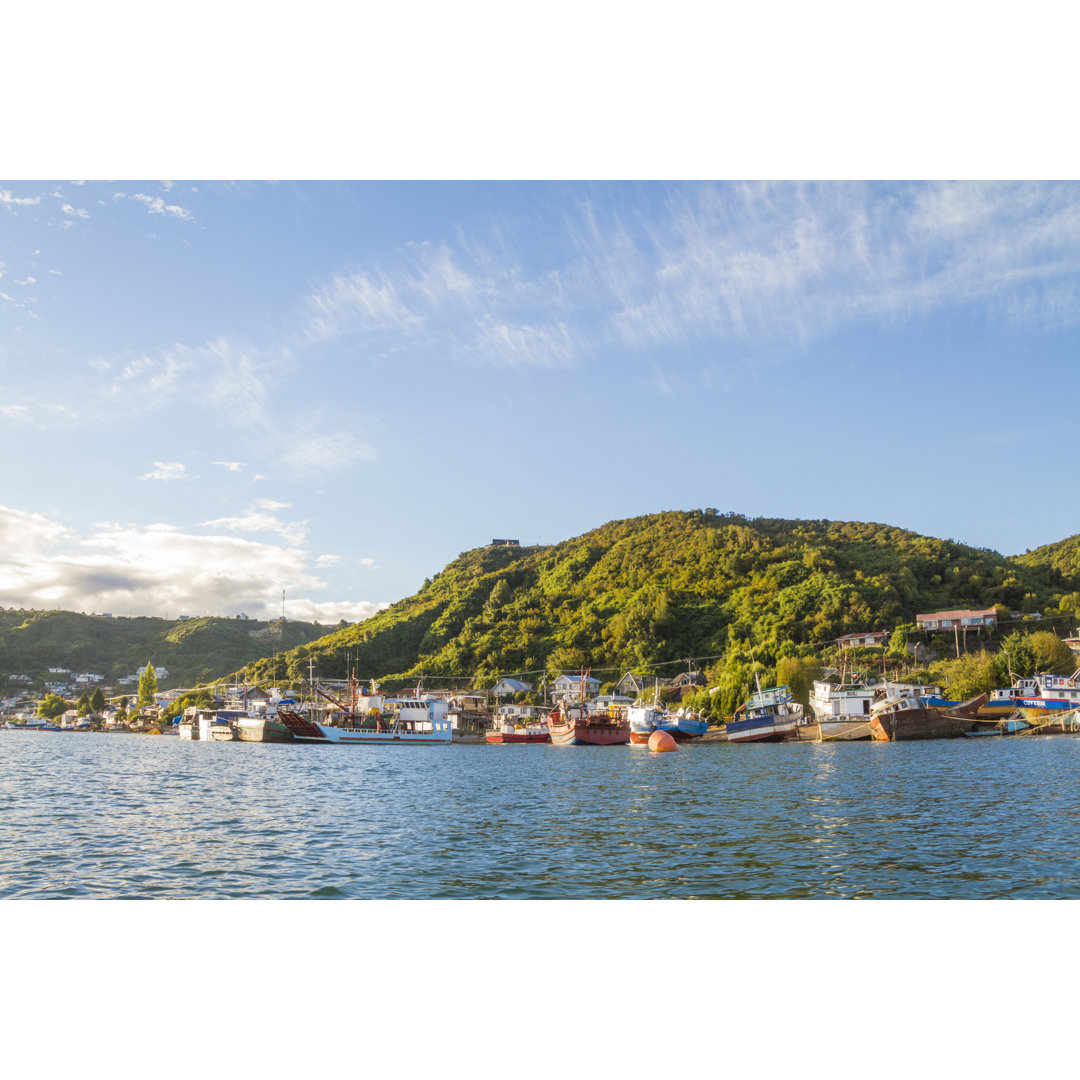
x: 192, y: 650
x: 648, y: 593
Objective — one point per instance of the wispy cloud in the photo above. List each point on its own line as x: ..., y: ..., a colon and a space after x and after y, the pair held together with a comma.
x: 167, y: 471
x: 231, y: 466
x: 74, y: 211
x: 156, y: 205
x: 261, y: 519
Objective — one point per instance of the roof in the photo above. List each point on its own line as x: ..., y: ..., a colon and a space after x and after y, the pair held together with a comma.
x: 577, y: 678
x: 956, y: 614
x: 516, y: 685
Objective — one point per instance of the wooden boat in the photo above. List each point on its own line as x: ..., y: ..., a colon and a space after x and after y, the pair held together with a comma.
x: 575, y: 724
x: 898, y: 718
x: 770, y: 715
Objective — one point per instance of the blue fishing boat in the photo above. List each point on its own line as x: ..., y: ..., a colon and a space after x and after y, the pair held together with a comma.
x: 770, y: 715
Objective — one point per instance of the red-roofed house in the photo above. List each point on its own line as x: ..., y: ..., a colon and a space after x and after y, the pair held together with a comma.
x: 946, y: 620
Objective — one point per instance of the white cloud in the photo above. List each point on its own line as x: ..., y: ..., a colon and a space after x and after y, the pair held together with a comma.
x: 232, y: 466
x: 271, y: 505
x: 148, y: 570
x: 295, y: 532
x: 167, y: 471
x: 7, y: 199
x: 27, y: 281
x: 73, y: 211
x: 156, y: 205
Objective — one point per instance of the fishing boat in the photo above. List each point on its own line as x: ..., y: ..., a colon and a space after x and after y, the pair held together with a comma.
x: 398, y: 722
x: 842, y: 704
x: 574, y: 723
x: 770, y: 715
x: 519, y: 724
x: 260, y: 721
x: 897, y: 718
x: 682, y: 726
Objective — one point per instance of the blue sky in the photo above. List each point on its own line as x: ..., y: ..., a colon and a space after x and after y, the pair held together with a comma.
x: 210, y: 391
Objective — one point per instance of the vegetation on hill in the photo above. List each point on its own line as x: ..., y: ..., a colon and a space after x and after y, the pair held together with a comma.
x: 655, y: 593
x: 193, y: 650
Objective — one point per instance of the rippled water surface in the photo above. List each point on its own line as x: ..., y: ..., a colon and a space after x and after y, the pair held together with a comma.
x: 139, y: 816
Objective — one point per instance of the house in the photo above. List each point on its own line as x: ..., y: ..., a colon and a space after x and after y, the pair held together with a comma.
x: 159, y: 672
x: 571, y: 686
x: 19, y: 678
x: 505, y: 543
x: 689, y: 678
x: 874, y: 639
x: 947, y: 620
x: 505, y: 687
x: 632, y: 684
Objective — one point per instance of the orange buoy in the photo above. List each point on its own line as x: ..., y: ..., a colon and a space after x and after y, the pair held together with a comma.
x: 660, y: 742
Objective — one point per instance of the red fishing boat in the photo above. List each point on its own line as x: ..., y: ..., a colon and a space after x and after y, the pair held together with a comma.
x: 519, y: 724
x: 575, y: 724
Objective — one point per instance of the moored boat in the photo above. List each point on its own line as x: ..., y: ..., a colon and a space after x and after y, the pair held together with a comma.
x: 518, y: 724
x: 574, y: 723
x: 682, y: 726
x: 898, y: 718
x: 399, y: 722
x: 770, y: 715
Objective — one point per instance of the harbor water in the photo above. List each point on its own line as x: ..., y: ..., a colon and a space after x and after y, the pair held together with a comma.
x: 111, y: 816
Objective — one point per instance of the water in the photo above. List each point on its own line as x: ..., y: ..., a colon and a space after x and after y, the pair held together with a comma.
x: 105, y: 816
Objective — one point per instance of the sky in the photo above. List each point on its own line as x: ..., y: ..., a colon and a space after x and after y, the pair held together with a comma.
x: 214, y: 392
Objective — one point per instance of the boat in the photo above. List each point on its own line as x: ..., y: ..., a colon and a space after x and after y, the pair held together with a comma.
x: 682, y: 726
x: 575, y: 723
x: 770, y: 715
x: 32, y: 724
x: 518, y: 724
x: 262, y: 722
x: 842, y: 704
x: 998, y: 727
x: 915, y: 716
x: 398, y: 722
x: 470, y: 720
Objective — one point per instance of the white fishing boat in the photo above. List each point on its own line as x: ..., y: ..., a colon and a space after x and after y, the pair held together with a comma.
x: 398, y: 722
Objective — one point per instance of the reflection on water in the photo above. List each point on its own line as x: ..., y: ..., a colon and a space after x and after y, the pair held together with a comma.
x: 107, y: 816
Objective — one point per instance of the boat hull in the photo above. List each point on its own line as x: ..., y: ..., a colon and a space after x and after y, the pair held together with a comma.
x: 262, y: 730
x: 764, y: 729
x: 920, y: 724
x: 343, y: 736
x: 497, y: 738
x: 844, y: 730
x: 584, y: 733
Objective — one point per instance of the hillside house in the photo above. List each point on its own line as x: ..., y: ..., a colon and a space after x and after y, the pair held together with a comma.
x: 948, y: 620
x: 571, y: 686
x: 507, y: 687
x: 874, y: 639
x: 632, y: 685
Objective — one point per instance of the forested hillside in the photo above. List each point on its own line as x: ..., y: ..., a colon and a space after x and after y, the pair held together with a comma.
x: 192, y: 650
x: 650, y: 593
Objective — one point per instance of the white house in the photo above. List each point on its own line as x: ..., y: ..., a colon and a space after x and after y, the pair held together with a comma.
x: 872, y: 638
x: 571, y: 686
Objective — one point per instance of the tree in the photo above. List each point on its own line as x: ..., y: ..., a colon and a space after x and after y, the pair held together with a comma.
x: 51, y: 706
x: 1052, y: 655
x: 147, y: 685
x: 97, y: 700
x: 798, y: 675
x: 82, y: 706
